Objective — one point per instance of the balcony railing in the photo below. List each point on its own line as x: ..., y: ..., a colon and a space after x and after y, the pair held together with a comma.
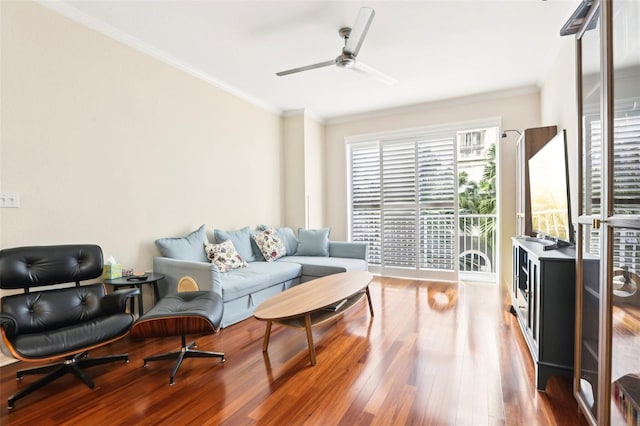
x: 477, y: 244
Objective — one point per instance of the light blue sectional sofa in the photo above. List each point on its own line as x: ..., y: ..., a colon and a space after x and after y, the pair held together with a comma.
x: 245, y: 288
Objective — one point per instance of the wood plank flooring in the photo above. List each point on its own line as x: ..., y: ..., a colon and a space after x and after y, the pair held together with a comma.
x: 434, y: 354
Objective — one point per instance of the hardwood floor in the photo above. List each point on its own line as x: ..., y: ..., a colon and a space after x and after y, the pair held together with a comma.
x: 434, y: 354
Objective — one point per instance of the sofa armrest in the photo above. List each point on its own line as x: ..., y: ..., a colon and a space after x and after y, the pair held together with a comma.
x: 348, y: 249
x: 207, y: 275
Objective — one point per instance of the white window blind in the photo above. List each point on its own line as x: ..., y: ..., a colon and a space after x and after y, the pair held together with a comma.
x: 626, y: 174
x: 399, y: 199
x: 366, y: 222
x: 437, y: 192
x: 626, y: 166
x: 593, y: 182
x: 626, y: 187
x: 403, y: 196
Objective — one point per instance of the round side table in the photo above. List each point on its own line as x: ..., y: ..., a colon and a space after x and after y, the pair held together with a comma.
x: 137, y: 282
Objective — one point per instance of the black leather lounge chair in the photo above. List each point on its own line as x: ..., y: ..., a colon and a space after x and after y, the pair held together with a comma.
x: 63, y: 323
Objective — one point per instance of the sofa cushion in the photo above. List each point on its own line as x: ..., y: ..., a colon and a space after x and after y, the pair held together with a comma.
x: 289, y: 239
x: 269, y: 243
x: 241, y: 241
x: 256, y: 276
x: 316, y: 266
x: 313, y: 242
x: 190, y: 247
x: 225, y: 256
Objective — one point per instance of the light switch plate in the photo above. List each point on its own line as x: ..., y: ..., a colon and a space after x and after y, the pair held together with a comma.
x: 9, y: 199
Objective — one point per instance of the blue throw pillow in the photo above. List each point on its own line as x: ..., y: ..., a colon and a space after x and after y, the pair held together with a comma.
x: 313, y: 242
x: 288, y: 239
x: 241, y: 240
x: 190, y: 247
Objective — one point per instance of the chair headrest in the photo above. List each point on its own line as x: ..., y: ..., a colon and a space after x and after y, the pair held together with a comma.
x: 35, y: 266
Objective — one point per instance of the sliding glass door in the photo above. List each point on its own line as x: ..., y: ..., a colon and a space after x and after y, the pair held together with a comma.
x: 404, y: 203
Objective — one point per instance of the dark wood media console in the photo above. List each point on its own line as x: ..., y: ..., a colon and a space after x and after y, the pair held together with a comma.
x: 543, y: 300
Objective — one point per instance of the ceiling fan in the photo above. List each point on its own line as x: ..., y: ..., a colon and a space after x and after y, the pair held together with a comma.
x: 353, y: 39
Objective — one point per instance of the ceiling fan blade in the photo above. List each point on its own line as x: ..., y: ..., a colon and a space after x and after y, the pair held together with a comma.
x: 359, y: 30
x: 374, y: 73
x: 307, y: 68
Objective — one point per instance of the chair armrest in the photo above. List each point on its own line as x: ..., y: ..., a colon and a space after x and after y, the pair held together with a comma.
x: 9, y: 323
x: 206, y: 274
x: 117, y: 302
x: 348, y: 249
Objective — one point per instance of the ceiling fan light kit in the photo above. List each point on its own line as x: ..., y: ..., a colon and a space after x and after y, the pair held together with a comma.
x: 353, y: 39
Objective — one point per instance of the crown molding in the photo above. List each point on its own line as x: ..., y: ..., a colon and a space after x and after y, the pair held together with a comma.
x: 481, y: 97
x: 92, y: 23
x: 442, y: 129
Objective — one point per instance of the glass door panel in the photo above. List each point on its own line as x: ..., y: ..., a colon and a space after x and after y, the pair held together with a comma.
x: 626, y: 107
x: 624, y: 179
x: 588, y: 237
x: 625, y: 325
x: 591, y: 120
x: 590, y: 259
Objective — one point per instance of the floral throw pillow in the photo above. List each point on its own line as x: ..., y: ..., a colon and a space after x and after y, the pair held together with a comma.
x: 224, y: 256
x: 270, y: 244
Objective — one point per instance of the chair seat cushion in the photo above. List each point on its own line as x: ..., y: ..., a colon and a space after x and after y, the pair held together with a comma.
x: 189, y: 312
x: 72, y: 339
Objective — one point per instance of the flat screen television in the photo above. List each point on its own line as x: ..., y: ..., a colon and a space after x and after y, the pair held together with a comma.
x: 549, y: 189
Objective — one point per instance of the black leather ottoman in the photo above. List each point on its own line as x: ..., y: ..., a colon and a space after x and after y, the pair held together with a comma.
x: 182, y: 314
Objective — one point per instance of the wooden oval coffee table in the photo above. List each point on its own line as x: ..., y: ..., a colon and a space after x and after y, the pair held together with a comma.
x: 312, y: 303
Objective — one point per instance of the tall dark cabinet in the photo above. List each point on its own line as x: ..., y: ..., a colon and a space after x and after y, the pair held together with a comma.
x: 607, y: 345
x: 543, y: 300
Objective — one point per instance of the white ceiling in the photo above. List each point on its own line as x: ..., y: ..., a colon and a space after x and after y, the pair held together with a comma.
x: 435, y: 49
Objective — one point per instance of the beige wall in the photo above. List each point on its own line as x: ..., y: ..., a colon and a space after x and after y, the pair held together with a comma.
x: 314, y: 171
x: 293, y: 164
x: 107, y: 145
x: 559, y: 105
x: 303, y: 162
x: 518, y: 109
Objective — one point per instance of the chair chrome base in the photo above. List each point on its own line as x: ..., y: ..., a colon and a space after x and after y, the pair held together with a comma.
x: 186, y: 351
x: 74, y: 365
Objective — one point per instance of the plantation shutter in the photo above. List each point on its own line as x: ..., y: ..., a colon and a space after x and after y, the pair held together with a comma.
x: 595, y: 180
x: 437, y: 197
x: 403, y: 196
x: 365, y: 199
x: 626, y: 175
x: 399, y: 198
x: 626, y: 187
x: 626, y: 165
x: 592, y: 183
